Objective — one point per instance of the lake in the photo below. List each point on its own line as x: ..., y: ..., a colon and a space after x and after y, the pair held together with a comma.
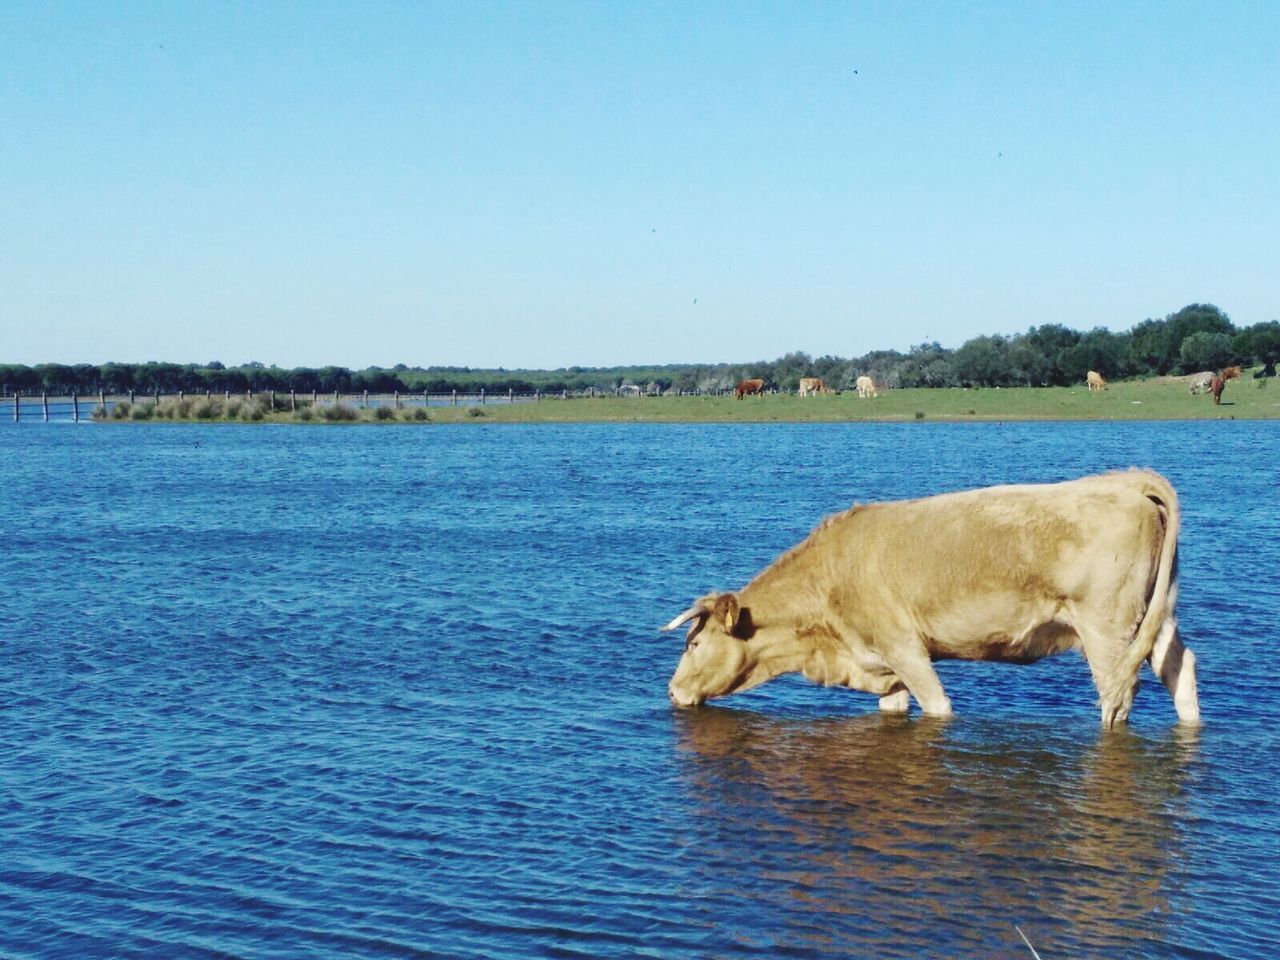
x: 400, y: 692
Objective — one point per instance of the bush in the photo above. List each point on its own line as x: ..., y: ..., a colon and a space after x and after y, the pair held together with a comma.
x: 305, y: 414
x: 120, y: 411
x: 476, y: 412
x: 338, y: 412
x: 384, y: 413
x: 206, y: 408
x: 417, y: 413
x: 142, y: 411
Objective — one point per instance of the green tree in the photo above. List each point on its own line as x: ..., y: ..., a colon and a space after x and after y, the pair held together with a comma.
x: 1259, y: 343
x: 1206, y: 351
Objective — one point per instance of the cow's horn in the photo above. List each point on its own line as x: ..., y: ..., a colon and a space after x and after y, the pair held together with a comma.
x: 687, y: 615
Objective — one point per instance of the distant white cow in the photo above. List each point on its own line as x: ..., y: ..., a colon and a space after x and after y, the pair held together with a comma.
x: 1200, y: 382
x: 1095, y: 381
x: 866, y: 387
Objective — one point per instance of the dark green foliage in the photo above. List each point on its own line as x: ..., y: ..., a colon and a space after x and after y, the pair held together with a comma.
x: 1046, y: 354
x: 1206, y: 351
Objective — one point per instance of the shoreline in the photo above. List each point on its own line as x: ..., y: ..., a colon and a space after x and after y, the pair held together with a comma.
x: 1164, y: 399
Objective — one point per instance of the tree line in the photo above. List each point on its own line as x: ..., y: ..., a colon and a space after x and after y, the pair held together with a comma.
x: 1197, y: 337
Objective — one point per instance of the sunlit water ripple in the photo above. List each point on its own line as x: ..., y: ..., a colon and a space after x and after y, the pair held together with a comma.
x: 327, y: 692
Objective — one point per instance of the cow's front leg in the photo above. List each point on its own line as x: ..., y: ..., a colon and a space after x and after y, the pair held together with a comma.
x: 910, y: 661
x: 897, y: 702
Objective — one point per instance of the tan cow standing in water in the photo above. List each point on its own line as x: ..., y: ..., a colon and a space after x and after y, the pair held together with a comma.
x: 1013, y: 573
x: 810, y: 386
x: 866, y: 387
x: 1095, y: 382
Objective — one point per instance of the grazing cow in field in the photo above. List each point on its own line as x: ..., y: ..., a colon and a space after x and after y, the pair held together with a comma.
x: 1268, y: 370
x: 1200, y: 382
x: 1094, y: 381
x: 1012, y: 573
x: 745, y: 387
x: 812, y: 385
x: 866, y: 387
x: 1215, y: 387
x: 1230, y: 373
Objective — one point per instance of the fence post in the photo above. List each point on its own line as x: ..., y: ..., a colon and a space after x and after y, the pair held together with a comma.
x: 537, y: 396
x: 226, y: 395
x: 102, y: 398
x: 44, y: 402
x: 366, y: 399
x: 273, y: 402
x: 293, y: 400
x: 397, y: 399
x: 130, y: 396
x: 315, y: 398
x: 16, y: 414
x: 455, y: 396
x: 564, y: 393
x: 425, y: 402
x: 511, y: 395
x: 335, y: 398
x: 75, y: 407
x: 482, y: 396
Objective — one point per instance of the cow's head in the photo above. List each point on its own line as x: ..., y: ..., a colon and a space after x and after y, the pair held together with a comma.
x: 717, y: 656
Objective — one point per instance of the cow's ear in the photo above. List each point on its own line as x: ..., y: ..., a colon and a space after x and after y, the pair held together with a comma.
x: 726, y: 611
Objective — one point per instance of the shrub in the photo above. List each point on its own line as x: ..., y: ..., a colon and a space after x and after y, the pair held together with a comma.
x: 338, y: 412
x: 384, y: 413
x: 305, y: 414
x: 206, y: 408
x: 417, y: 413
x: 234, y: 408
x: 476, y: 412
x: 142, y: 411
x: 120, y: 411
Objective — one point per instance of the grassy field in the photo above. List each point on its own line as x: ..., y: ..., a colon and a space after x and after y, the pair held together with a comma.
x: 1161, y: 398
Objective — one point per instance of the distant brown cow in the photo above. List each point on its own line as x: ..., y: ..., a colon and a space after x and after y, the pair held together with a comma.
x: 811, y: 385
x: 749, y: 386
x: 1230, y: 373
x: 1215, y: 387
x: 1095, y: 381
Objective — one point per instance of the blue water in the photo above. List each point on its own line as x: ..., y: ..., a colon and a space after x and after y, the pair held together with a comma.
x: 357, y: 692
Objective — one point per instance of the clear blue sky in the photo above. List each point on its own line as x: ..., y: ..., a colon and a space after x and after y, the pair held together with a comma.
x: 547, y: 184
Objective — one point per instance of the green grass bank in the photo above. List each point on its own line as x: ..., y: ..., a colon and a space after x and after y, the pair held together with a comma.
x: 1160, y: 398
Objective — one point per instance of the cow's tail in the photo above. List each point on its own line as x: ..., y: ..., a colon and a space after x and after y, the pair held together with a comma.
x: 1117, y: 698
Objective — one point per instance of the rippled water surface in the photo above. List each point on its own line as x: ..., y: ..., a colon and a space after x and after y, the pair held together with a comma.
x: 330, y: 692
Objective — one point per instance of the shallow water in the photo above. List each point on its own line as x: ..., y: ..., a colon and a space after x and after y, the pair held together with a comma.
x: 283, y: 691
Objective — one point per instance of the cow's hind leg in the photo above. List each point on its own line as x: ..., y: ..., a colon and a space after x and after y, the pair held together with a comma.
x: 1114, y: 699
x: 1175, y: 665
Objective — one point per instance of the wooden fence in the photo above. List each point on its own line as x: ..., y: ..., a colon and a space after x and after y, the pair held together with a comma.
x: 76, y: 407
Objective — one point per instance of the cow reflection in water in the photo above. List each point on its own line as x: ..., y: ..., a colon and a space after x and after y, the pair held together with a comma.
x: 893, y: 838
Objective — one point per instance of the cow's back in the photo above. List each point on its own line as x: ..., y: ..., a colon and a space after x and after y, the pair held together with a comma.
x: 972, y: 571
